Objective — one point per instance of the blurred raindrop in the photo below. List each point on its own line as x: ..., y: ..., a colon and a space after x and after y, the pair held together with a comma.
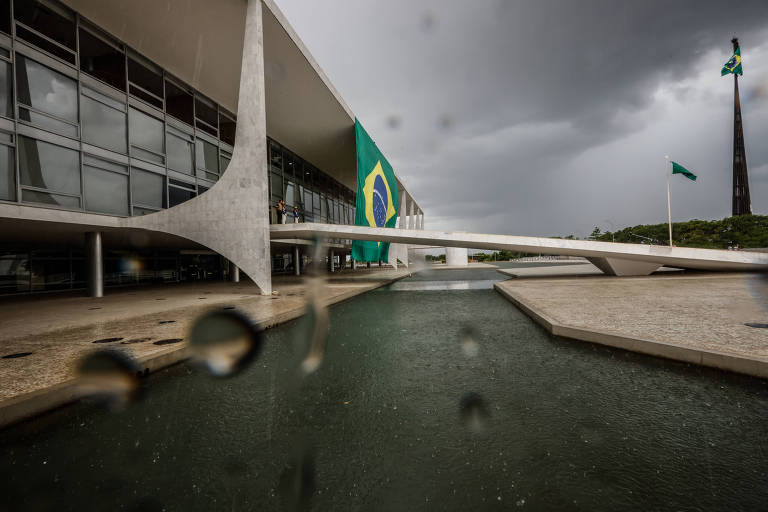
x: 468, y: 339
x: 446, y: 122
x: 297, y: 481
x: 394, y: 121
x: 474, y: 412
x: 109, y: 376
x: 316, y: 313
x: 317, y: 317
x: 225, y: 342
x: 427, y: 21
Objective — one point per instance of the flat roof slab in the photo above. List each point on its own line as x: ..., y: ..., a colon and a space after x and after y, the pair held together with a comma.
x: 695, y: 318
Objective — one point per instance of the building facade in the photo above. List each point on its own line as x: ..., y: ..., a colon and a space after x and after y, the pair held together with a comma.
x: 119, y: 122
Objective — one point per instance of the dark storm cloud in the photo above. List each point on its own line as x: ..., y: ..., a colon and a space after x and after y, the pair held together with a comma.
x: 498, y: 102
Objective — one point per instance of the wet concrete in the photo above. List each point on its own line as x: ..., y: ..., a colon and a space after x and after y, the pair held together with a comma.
x: 149, y: 324
x: 391, y: 421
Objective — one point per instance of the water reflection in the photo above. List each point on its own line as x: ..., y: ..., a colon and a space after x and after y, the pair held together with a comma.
x: 412, y: 286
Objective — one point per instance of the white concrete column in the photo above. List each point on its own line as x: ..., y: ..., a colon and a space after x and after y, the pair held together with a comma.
x: 234, y: 273
x: 456, y: 256
x: 354, y: 265
x: 330, y: 260
x: 411, y: 218
x: 94, y: 264
x: 403, y: 209
x: 296, y: 261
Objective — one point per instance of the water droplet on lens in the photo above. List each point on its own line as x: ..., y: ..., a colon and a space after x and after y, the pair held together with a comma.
x: 297, y: 481
x: 427, y: 21
x: 317, y: 318
x: 224, y: 342
x: 468, y: 339
x: 394, y: 121
x: 474, y: 412
x: 446, y: 122
x: 109, y: 376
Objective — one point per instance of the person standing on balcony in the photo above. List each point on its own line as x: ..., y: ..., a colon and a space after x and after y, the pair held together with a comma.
x: 296, y: 215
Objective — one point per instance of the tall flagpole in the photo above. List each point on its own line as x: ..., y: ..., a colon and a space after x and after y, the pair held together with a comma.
x: 669, y: 202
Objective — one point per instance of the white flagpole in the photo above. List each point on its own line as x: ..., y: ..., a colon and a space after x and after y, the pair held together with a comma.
x: 669, y: 203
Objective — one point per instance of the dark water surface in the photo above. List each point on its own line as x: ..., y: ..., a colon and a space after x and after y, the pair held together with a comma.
x: 563, y: 425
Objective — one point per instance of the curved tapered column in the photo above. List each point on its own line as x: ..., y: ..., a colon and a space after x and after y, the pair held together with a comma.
x: 231, y: 218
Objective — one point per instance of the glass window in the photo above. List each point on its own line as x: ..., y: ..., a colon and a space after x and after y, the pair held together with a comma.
x: 290, y: 165
x: 299, y: 196
x: 54, y: 22
x: 307, y: 200
x: 138, y: 211
x: 14, y: 272
x: 276, y: 158
x: 50, y: 274
x: 105, y: 191
x: 324, y: 208
x: 224, y: 160
x: 145, y: 81
x: 276, y: 186
x: 201, y: 189
x: 316, y: 202
x: 179, y: 103
x: 289, y: 193
x: 147, y: 189
x: 33, y: 196
x: 207, y: 116
x: 207, y: 156
x: 48, y: 166
x: 103, y: 122
x: 102, y: 60
x: 180, y: 151
x: 147, y: 136
x: 48, y: 92
x: 178, y: 195
x: 227, y: 129
x: 7, y: 173
x: 6, y: 90
x: 5, y: 16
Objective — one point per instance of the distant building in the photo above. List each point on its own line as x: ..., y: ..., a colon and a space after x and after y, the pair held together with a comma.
x: 133, y: 149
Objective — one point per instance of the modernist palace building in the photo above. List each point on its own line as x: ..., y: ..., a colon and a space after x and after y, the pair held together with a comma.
x: 149, y: 141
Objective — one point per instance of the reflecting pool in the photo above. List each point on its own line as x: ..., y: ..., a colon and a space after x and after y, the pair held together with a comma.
x: 426, y: 399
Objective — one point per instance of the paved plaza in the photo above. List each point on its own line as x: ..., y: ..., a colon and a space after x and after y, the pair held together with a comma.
x: 58, y: 331
x: 693, y: 317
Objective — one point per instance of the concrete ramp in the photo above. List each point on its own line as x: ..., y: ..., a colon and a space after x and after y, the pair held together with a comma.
x: 611, y: 258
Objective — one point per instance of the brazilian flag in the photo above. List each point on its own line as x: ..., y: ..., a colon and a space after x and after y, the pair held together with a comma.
x: 733, y: 65
x: 377, y: 200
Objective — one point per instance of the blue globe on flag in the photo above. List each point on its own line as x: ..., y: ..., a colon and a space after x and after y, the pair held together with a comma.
x: 380, y: 202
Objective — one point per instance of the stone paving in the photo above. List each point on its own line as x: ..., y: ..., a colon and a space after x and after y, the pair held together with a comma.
x: 58, y: 330
x: 693, y: 317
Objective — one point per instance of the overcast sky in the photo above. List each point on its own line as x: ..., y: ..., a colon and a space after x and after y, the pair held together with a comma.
x: 545, y: 117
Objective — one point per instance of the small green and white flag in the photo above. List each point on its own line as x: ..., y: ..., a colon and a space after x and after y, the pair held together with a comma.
x: 679, y: 169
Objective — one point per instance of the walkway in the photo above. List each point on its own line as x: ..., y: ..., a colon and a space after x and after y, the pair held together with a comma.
x: 611, y: 258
